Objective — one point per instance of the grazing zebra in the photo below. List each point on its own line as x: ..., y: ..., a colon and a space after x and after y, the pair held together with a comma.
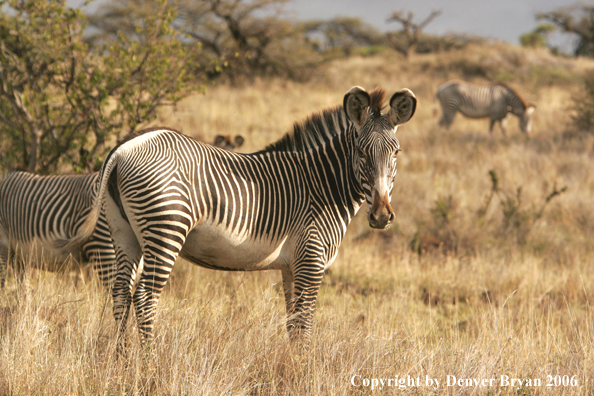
x: 36, y: 212
x: 286, y: 207
x: 495, y: 101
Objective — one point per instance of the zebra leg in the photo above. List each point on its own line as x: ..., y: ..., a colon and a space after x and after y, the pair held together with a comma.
x: 128, y: 254
x: 3, y: 264
x: 447, y: 118
x: 155, y: 274
x: 288, y: 288
x: 502, y: 125
x: 491, y: 124
x: 308, y: 271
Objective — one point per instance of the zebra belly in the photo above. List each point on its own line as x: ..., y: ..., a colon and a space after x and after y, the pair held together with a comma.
x: 213, y: 247
x: 474, y: 113
x: 42, y: 255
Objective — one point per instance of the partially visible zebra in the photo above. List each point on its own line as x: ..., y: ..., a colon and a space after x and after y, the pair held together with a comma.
x: 286, y: 207
x: 492, y: 101
x: 37, y: 211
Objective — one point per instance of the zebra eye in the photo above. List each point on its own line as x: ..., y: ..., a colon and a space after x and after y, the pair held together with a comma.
x: 361, y: 153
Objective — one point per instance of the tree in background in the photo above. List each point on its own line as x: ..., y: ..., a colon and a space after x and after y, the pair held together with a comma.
x: 340, y: 36
x: 577, y: 20
x: 238, y: 37
x: 405, y: 41
x: 537, y: 37
x: 62, y: 102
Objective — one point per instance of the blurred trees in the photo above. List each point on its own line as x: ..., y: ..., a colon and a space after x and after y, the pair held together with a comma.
x: 406, y: 40
x: 63, y: 102
x: 577, y: 20
x: 537, y: 37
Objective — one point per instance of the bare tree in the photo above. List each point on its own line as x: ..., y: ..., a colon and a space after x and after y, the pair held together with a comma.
x: 405, y: 41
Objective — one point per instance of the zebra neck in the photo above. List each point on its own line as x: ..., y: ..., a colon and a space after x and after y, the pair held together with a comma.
x: 331, y: 178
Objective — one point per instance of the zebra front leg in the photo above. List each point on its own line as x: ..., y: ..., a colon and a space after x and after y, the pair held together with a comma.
x: 307, y: 278
x: 502, y: 125
x: 491, y: 124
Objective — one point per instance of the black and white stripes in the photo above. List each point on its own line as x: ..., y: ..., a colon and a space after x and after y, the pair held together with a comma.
x: 286, y: 207
x: 36, y: 212
x: 494, y: 101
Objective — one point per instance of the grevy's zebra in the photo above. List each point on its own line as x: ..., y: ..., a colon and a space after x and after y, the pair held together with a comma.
x: 286, y: 207
x: 36, y: 212
x: 494, y: 101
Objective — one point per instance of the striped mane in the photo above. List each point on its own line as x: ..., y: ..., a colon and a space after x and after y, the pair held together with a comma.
x: 319, y: 128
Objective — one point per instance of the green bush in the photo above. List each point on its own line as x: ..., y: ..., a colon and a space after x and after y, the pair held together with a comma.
x: 61, y: 102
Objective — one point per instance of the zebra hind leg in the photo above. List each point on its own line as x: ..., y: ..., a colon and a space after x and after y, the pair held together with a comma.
x: 154, y: 277
x: 128, y: 255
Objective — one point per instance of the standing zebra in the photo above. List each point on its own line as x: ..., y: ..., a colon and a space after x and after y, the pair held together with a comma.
x: 37, y: 212
x: 495, y: 101
x: 286, y: 207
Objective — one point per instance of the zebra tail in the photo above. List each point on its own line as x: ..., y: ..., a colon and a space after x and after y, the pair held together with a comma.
x: 87, y: 228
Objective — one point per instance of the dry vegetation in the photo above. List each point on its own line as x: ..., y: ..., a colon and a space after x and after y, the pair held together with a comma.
x: 455, y: 287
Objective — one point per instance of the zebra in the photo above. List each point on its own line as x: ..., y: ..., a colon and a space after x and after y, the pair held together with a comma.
x: 285, y: 207
x: 495, y: 101
x: 38, y: 211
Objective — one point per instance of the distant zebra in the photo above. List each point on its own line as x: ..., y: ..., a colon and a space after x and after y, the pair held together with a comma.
x: 286, y: 207
x: 494, y: 101
x: 38, y: 211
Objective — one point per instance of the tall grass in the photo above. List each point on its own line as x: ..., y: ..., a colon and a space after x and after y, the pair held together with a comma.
x: 480, y: 305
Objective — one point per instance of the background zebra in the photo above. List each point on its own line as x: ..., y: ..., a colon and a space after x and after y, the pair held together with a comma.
x: 286, y: 207
x: 37, y: 211
x: 492, y: 101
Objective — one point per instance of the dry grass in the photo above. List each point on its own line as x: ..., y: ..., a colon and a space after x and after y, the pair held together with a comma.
x: 491, y: 300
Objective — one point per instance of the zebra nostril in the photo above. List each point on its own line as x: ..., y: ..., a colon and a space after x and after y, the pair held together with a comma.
x: 372, y: 217
x: 391, y: 218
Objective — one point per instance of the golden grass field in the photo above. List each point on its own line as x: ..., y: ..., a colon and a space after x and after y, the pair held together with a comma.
x: 456, y: 287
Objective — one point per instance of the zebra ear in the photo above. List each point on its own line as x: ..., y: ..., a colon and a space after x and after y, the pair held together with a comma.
x: 402, y: 107
x: 355, y: 103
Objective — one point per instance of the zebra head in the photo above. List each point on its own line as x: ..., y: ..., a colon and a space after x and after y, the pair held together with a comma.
x: 526, y: 118
x: 376, y: 146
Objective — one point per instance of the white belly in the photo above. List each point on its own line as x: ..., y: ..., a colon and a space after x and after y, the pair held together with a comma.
x: 213, y: 247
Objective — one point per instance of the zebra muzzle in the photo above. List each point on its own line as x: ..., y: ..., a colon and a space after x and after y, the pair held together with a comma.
x: 381, y: 214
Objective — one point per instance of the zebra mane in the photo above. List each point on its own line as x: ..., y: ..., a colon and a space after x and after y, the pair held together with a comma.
x: 504, y: 85
x: 319, y: 128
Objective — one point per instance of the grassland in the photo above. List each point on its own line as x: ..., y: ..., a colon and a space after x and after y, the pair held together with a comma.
x: 459, y: 286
